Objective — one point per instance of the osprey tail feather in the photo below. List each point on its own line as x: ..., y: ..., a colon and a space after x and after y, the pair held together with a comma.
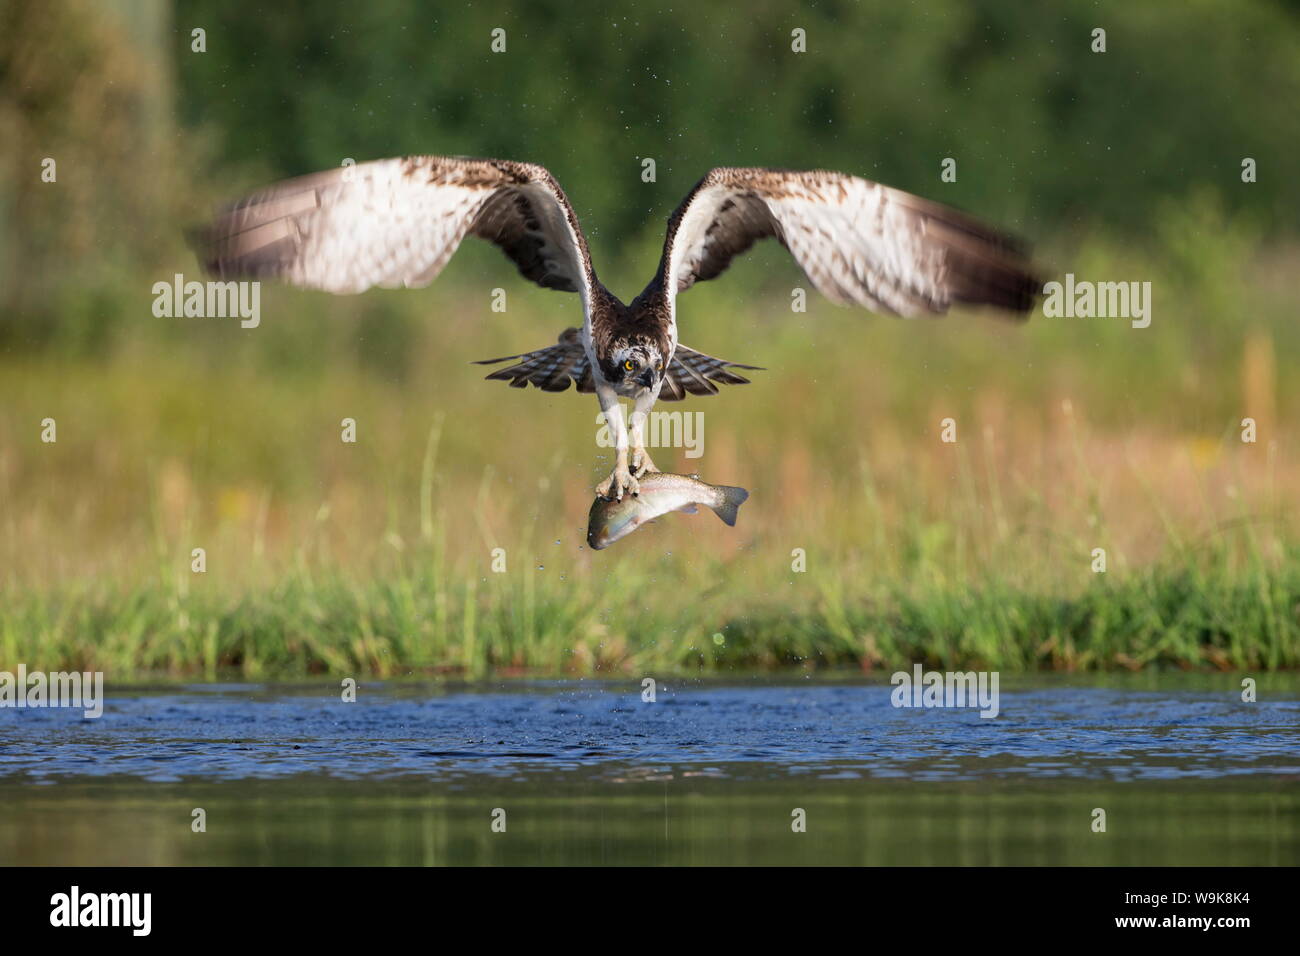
x: 552, y: 369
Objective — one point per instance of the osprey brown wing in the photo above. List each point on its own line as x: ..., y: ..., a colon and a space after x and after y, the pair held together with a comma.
x: 857, y: 241
x: 396, y: 222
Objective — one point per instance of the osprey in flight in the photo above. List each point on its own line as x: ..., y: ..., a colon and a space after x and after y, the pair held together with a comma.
x: 396, y: 222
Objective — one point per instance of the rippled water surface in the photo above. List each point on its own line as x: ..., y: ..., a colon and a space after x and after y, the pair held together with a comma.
x: 589, y: 772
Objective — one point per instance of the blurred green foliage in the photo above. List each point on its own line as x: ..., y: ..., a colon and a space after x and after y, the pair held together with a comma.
x: 1044, y: 130
x: 85, y: 100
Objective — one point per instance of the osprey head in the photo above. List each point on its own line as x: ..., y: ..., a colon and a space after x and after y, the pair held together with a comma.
x: 633, y: 363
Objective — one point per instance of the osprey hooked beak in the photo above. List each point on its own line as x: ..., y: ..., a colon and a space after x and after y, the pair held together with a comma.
x: 652, y: 373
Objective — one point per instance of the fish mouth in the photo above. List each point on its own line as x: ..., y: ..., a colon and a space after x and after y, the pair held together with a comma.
x: 598, y: 541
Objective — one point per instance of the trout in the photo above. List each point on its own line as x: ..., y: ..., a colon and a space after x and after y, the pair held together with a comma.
x: 660, y: 493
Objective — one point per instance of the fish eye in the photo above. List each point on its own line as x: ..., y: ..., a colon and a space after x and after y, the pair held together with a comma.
x: 628, y: 365
x: 660, y: 368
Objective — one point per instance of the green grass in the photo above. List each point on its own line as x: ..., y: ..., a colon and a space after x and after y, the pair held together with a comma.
x: 668, y: 614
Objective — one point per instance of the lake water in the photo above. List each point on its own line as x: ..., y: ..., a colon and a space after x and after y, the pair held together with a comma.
x: 586, y: 772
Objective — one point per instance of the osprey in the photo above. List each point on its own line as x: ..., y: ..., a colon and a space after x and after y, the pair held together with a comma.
x: 396, y: 222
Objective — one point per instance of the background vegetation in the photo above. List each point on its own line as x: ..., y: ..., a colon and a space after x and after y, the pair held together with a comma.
x: 1073, y: 434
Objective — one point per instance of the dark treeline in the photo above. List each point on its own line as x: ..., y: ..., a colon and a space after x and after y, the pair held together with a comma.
x: 1042, y: 128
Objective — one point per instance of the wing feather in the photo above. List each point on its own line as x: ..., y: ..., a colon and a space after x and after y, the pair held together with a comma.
x: 857, y: 241
x: 396, y: 222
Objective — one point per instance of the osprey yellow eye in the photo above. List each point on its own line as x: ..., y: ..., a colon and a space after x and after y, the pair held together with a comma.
x: 628, y: 365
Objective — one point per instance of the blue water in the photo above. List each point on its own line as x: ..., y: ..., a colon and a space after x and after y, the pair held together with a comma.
x: 604, y: 732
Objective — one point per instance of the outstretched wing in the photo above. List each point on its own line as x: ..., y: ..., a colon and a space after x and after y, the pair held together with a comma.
x: 396, y: 222
x: 858, y: 242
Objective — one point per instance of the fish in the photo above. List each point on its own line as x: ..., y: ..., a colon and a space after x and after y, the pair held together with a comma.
x: 611, y: 519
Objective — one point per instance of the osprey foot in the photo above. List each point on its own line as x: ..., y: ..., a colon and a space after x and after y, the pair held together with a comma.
x: 619, y: 481
x: 641, y: 462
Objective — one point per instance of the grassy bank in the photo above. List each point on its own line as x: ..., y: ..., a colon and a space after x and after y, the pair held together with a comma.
x: 422, y: 621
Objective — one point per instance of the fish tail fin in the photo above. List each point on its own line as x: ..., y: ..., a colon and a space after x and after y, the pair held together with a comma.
x: 729, y: 507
